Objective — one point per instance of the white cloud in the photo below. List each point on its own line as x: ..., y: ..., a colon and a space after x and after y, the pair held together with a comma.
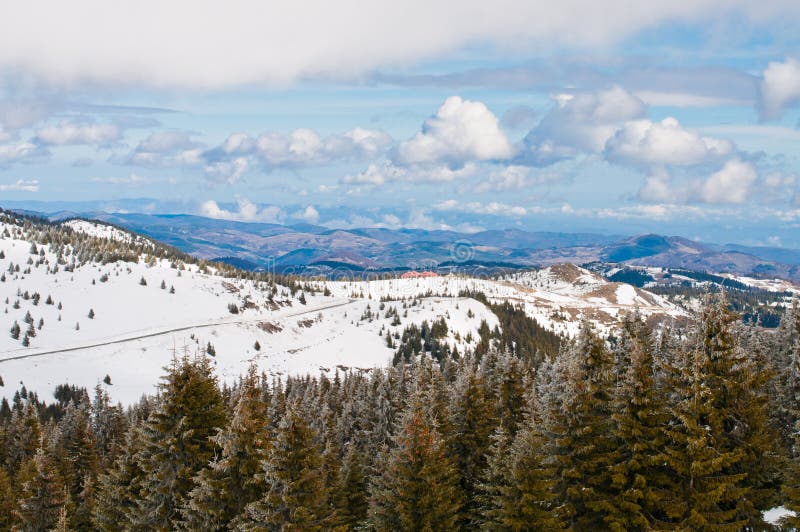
x: 518, y: 177
x: 249, y: 43
x: 166, y: 148
x: 657, y: 188
x: 381, y: 173
x: 165, y: 142
x: 513, y: 177
x: 779, y: 88
x: 16, y: 152
x: 580, y: 123
x: 474, y: 207
x: 71, y: 133
x: 309, y: 214
x: 306, y: 147
x: 247, y: 212
x: 731, y: 184
x: 21, y: 186
x: 646, y: 143
x: 459, y: 132
x: 300, y: 148
x: 227, y: 171
x: 681, y: 99
x: 131, y: 180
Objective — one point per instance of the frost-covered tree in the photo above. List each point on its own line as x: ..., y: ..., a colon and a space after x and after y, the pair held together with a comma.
x: 176, y: 441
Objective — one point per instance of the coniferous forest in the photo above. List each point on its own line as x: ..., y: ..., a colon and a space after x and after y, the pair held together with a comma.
x: 695, y: 429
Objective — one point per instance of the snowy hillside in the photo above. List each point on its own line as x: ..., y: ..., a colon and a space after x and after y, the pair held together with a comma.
x: 142, y: 311
x: 558, y: 297
x: 87, y: 307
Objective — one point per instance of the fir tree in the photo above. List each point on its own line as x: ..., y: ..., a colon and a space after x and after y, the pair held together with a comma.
x: 232, y: 481
x: 791, y: 414
x: 715, y: 431
x: 118, y: 489
x: 42, y: 494
x: 469, y: 436
x: 577, y: 431
x: 416, y: 487
x: 296, y: 497
x: 639, y: 478
x: 74, y: 453
x: 495, y: 497
x: 176, y: 441
x: 350, y: 493
x: 7, y: 501
x: 23, y: 436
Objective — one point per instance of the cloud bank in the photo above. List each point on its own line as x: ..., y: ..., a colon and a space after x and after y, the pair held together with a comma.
x: 202, y: 44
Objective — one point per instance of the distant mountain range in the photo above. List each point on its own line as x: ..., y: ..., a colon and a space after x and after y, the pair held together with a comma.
x: 309, y: 248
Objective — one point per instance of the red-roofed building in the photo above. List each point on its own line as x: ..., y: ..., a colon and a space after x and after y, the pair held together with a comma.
x: 418, y: 275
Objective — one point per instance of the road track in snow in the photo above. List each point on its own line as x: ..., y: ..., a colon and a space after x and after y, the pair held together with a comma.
x: 171, y: 331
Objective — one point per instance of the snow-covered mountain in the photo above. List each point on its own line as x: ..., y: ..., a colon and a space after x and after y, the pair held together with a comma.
x: 94, y: 300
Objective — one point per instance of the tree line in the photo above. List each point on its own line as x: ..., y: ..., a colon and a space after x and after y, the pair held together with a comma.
x: 693, y: 429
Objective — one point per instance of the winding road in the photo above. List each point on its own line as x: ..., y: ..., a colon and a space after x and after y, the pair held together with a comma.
x: 173, y: 330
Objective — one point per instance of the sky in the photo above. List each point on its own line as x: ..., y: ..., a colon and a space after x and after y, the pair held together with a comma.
x: 617, y: 117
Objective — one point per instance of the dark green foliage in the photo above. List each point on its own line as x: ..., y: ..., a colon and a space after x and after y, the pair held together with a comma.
x: 718, y: 436
x: 42, y: 495
x: 416, y: 486
x: 296, y: 497
x: 232, y: 480
x: 631, y: 276
x: 639, y: 478
x: 687, y: 429
x: 518, y: 333
x: 176, y: 441
x: 577, y: 431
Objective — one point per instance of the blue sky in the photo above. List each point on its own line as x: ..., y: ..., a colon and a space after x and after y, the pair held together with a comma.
x: 619, y: 117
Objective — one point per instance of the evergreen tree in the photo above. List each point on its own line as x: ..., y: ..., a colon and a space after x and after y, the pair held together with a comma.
x: 7, y: 501
x: 577, y: 431
x: 639, y: 478
x: 42, y: 494
x: 118, y: 489
x: 350, y: 493
x: 24, y: 436
x: 416, y: 487
x: 74, y: 453
x: 719, y: 426
x: 791, y: 487
x: 296, y: 497
x: 176, y: 441
x: 232, y: 481
x: 495, y: 497
x: 470, y: 428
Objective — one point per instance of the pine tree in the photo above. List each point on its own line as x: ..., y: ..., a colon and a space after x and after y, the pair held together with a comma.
x: 791, y: 410
x: 296, y: 497
x: 716, y: 431
x: 495, y: 497
x: 42, y: 494
x: 72, y: 447
x: 7, y: 501
x: 118, y: 489
x: 232, y: 481
x: 469, y: 435
x: 24, y: 436
x: 639, y: 478
x: 416, y: 487
x: 577, y: 431
x: 350, y: 493
x: 177, y: 441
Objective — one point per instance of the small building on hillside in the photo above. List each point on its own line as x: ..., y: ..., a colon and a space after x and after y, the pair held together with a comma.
x: 418, y: 275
